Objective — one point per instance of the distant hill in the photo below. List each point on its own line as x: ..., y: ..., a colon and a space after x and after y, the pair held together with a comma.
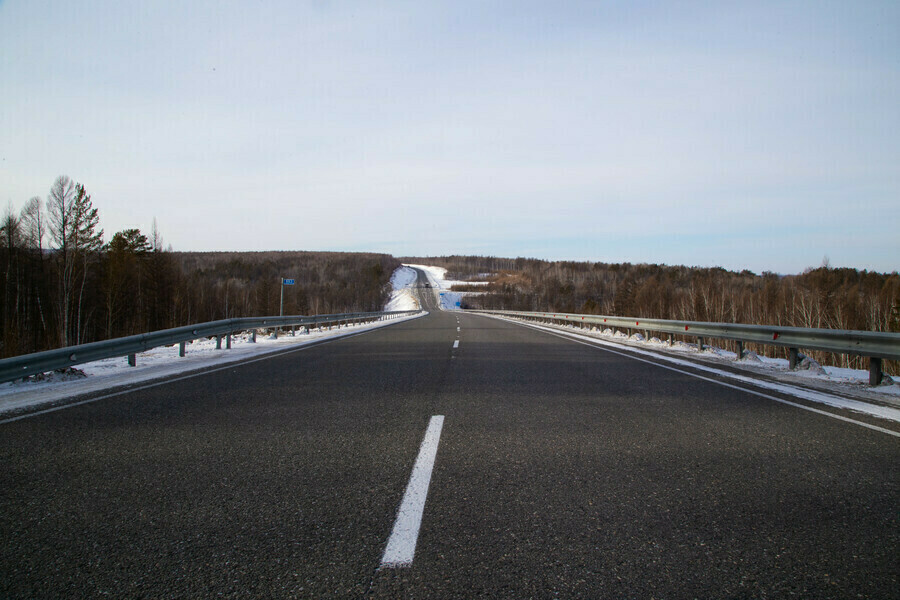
x: 819, y: 297
x: 249, y: 282
x: 130, y: 286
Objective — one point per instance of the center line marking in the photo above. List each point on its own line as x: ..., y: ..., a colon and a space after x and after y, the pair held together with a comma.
x: 456, y: 344
x: 402, y: 544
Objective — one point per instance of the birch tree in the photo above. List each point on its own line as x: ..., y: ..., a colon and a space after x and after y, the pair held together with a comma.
x: 73, y: 222
x: 34, y: 228
x: 59, y: 217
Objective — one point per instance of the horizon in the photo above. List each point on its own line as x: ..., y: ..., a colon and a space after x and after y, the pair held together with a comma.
x: 826, y: 263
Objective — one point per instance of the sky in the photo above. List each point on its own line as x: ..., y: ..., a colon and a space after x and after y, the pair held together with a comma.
x: 749, y: 135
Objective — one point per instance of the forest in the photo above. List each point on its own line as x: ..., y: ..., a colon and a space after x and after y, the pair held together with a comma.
x: 63, y: 285
x: 824, y: 297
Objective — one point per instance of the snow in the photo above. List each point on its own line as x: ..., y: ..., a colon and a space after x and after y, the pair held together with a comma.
x: 434, y: 274
x: 402, y: 296
x: 437, y: 276
x: 164, y: 362
x: 807, y: 368
x: 882, y: 401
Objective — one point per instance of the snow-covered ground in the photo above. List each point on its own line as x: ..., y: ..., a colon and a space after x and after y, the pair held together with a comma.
x: 402, y: 296
x: 843, y: 388
x: 847, y: 381
x: 437, y: 277
x: 201, y: 354
x: 882, y: 401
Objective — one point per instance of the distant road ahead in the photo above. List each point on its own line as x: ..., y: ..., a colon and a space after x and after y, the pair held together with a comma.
x: 428, y: 296
x: 562, y: 471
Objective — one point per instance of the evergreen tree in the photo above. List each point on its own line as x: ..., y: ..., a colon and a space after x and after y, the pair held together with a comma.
x: 87, y: 241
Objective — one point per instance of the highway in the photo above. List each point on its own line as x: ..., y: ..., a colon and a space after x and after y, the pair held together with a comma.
x: 561, y: 471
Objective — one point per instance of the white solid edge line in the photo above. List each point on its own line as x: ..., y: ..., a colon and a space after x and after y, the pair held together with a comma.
x: 401, y: 545
x: 564, y: 335
x: 205, y: 371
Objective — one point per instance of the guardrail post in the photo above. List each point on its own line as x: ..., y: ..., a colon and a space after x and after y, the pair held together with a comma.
x: 794, y: 358
x: 740, y: 350
x: 132, y: 360
x: 228, y: 341
x: 293, y: 332
x: 875, y: 372
x: 218, y: 342
x: 253, y: 337
x: 700, y: 344
x: 181, y: 349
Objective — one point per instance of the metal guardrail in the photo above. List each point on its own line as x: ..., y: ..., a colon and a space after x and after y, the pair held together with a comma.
x: 19, y: 367
x: 875, y: 345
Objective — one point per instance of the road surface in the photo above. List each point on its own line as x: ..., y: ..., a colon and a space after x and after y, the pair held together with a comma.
x: 561, y: 471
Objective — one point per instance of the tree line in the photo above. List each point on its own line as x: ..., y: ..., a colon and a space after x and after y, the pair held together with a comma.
x: 822, y: 297
x: 63, y: 285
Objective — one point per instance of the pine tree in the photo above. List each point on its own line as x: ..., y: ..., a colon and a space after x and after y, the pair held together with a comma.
x: 86, y: 243
x: 73, y: 228
x: 123, y: 279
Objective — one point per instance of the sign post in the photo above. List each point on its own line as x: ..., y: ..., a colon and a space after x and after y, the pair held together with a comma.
x: 284, y: 282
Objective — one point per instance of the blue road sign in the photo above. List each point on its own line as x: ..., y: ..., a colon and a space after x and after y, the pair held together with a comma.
x: 287, y: 281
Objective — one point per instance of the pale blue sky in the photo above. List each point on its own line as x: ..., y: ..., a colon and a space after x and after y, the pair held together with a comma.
x: 760, y: 135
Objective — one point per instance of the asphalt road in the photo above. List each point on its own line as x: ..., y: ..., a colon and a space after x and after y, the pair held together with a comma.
x: 563, y: 471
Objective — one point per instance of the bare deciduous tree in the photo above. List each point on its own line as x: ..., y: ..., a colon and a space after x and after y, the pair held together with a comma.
x: 59, y: 217
x: 33, y: 225
x: 73, y: 223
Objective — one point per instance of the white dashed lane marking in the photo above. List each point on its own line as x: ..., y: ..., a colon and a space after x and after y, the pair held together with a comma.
x: 402, y: 544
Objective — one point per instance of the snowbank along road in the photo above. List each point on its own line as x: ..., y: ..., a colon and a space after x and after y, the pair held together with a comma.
x: 450, y: 456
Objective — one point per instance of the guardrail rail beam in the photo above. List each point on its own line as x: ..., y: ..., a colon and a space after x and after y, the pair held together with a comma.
x: 20, y: 367
x: 875, y: 345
